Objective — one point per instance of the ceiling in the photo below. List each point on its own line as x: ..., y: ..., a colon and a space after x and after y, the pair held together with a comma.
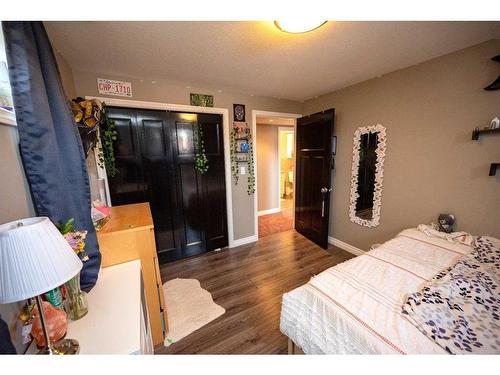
x: 255, y: 57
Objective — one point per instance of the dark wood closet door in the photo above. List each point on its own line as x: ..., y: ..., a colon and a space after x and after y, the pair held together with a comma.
x: 128, y: 184
x: 155, y: 158
x: 190, y: 197
x: 144, y: 161
x: 202, y: 197
x: 213, y: 183
x: 159, y: 179
x: 314, y: 153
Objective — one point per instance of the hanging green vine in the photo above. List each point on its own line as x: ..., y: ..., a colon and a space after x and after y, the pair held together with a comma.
x: 108, y: 133
x: 251, y: 172
x: 200, y: 157
x: 234, y: 160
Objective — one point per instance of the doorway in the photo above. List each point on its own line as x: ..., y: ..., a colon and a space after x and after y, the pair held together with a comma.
x: 275, y: 156
x: 155, y: 154
x: 286, y: 151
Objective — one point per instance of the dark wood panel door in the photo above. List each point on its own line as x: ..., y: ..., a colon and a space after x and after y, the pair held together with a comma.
x: 155, y: 155
x: 128, y: 185
x: 314, y: 164
x: 202, y: 197
x: 159, y: 177
x: 189, y: 192
x: 145, y: 169
x: 213, y: 183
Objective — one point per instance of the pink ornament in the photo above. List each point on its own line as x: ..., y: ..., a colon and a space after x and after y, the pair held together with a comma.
x: 56, y: 322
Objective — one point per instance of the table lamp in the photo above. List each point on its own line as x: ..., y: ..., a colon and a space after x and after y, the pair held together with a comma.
x: 34, y: 259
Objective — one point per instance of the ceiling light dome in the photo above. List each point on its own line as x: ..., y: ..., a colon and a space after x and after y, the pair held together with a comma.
x: 298, y: 26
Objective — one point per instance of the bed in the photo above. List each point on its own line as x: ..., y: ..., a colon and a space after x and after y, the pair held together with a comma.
x: 356, y: 306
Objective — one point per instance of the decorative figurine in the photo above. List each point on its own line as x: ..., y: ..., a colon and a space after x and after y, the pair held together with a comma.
x: 446, y: 222
x: 495, y: 123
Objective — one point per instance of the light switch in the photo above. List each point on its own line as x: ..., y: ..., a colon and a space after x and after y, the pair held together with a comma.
x: 243, y: 170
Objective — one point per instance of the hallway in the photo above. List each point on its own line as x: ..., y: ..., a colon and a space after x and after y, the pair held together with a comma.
x: 278, y: 222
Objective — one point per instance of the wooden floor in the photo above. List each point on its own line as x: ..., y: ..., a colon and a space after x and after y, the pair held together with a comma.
x: 248, y: 281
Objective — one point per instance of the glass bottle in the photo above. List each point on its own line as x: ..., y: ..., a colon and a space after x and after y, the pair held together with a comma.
x: 76, y: 302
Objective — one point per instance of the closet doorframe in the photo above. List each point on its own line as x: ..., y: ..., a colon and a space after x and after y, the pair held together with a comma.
x: 101, y: 171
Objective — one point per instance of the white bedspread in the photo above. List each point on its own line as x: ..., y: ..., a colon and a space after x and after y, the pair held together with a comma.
x: 355, y: 307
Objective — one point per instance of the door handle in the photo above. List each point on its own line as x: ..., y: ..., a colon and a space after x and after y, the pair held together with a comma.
x: 324, y: 191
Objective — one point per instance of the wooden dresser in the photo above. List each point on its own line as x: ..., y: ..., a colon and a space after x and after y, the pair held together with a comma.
x: 129, y: 235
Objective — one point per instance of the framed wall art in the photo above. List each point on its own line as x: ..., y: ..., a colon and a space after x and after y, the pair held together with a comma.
x: 201, y: 100
x: 239, y: 112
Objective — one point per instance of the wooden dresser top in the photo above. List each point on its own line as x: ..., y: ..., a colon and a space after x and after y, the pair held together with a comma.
x: 128, y: 217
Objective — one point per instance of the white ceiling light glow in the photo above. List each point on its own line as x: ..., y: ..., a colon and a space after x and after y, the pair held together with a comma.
x: 298, y: 26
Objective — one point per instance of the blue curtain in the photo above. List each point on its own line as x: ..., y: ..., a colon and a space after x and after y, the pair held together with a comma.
x: 51, y: 148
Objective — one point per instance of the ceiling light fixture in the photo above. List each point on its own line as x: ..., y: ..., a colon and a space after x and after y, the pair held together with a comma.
x: 298, y: 26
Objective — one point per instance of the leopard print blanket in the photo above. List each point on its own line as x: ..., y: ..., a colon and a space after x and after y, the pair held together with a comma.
x: 459, y: 308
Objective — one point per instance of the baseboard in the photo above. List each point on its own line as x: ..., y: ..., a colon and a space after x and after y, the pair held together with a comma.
x: 268, y: 212
x: 345, y: 246
x: 244, y: 241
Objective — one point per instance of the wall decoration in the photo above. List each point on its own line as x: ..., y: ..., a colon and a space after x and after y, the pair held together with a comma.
x: 201, y: 100
x: 242, y: 153
x: 114, y: 88
x: 495, y: 123
x: 239, y: 112
x: 368, y: 155
x: 87, y: 114
x: 495, y: 85
x: 96, y: 130
x: 244, y: 147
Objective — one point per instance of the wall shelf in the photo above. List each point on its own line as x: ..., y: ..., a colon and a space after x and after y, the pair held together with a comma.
x: 475, y: 136
x: 493, y: 168
x: 476, y: 133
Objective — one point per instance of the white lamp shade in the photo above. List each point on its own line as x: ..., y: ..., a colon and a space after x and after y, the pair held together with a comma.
x: 34, y: 258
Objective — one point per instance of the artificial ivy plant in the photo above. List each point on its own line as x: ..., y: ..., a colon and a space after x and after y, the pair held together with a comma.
x: 251, y: 172
x: 200, y: 157
x: 108, y: 135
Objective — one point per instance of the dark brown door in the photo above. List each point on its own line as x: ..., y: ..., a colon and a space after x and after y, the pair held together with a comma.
x: 155, y: 158
x: 314, y: 165
x: 201, y: 197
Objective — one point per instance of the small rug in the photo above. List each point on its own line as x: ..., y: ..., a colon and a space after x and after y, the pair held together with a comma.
x: 189, y: 307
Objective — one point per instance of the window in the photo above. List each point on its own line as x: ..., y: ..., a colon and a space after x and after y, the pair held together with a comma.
x: 7, y: 116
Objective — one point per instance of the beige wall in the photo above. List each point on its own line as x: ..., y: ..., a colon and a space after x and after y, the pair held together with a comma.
x: 175, y: 93
x: 15, y: 198
x: 267, y: 167
x: 432, y: 166
x: 66, y: 75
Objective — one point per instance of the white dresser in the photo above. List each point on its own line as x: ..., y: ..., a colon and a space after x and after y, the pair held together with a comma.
x: 117, y: 321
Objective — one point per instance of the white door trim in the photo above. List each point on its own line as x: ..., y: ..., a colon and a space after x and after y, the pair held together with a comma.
x: 255, y: 113
x: 186, y: 108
